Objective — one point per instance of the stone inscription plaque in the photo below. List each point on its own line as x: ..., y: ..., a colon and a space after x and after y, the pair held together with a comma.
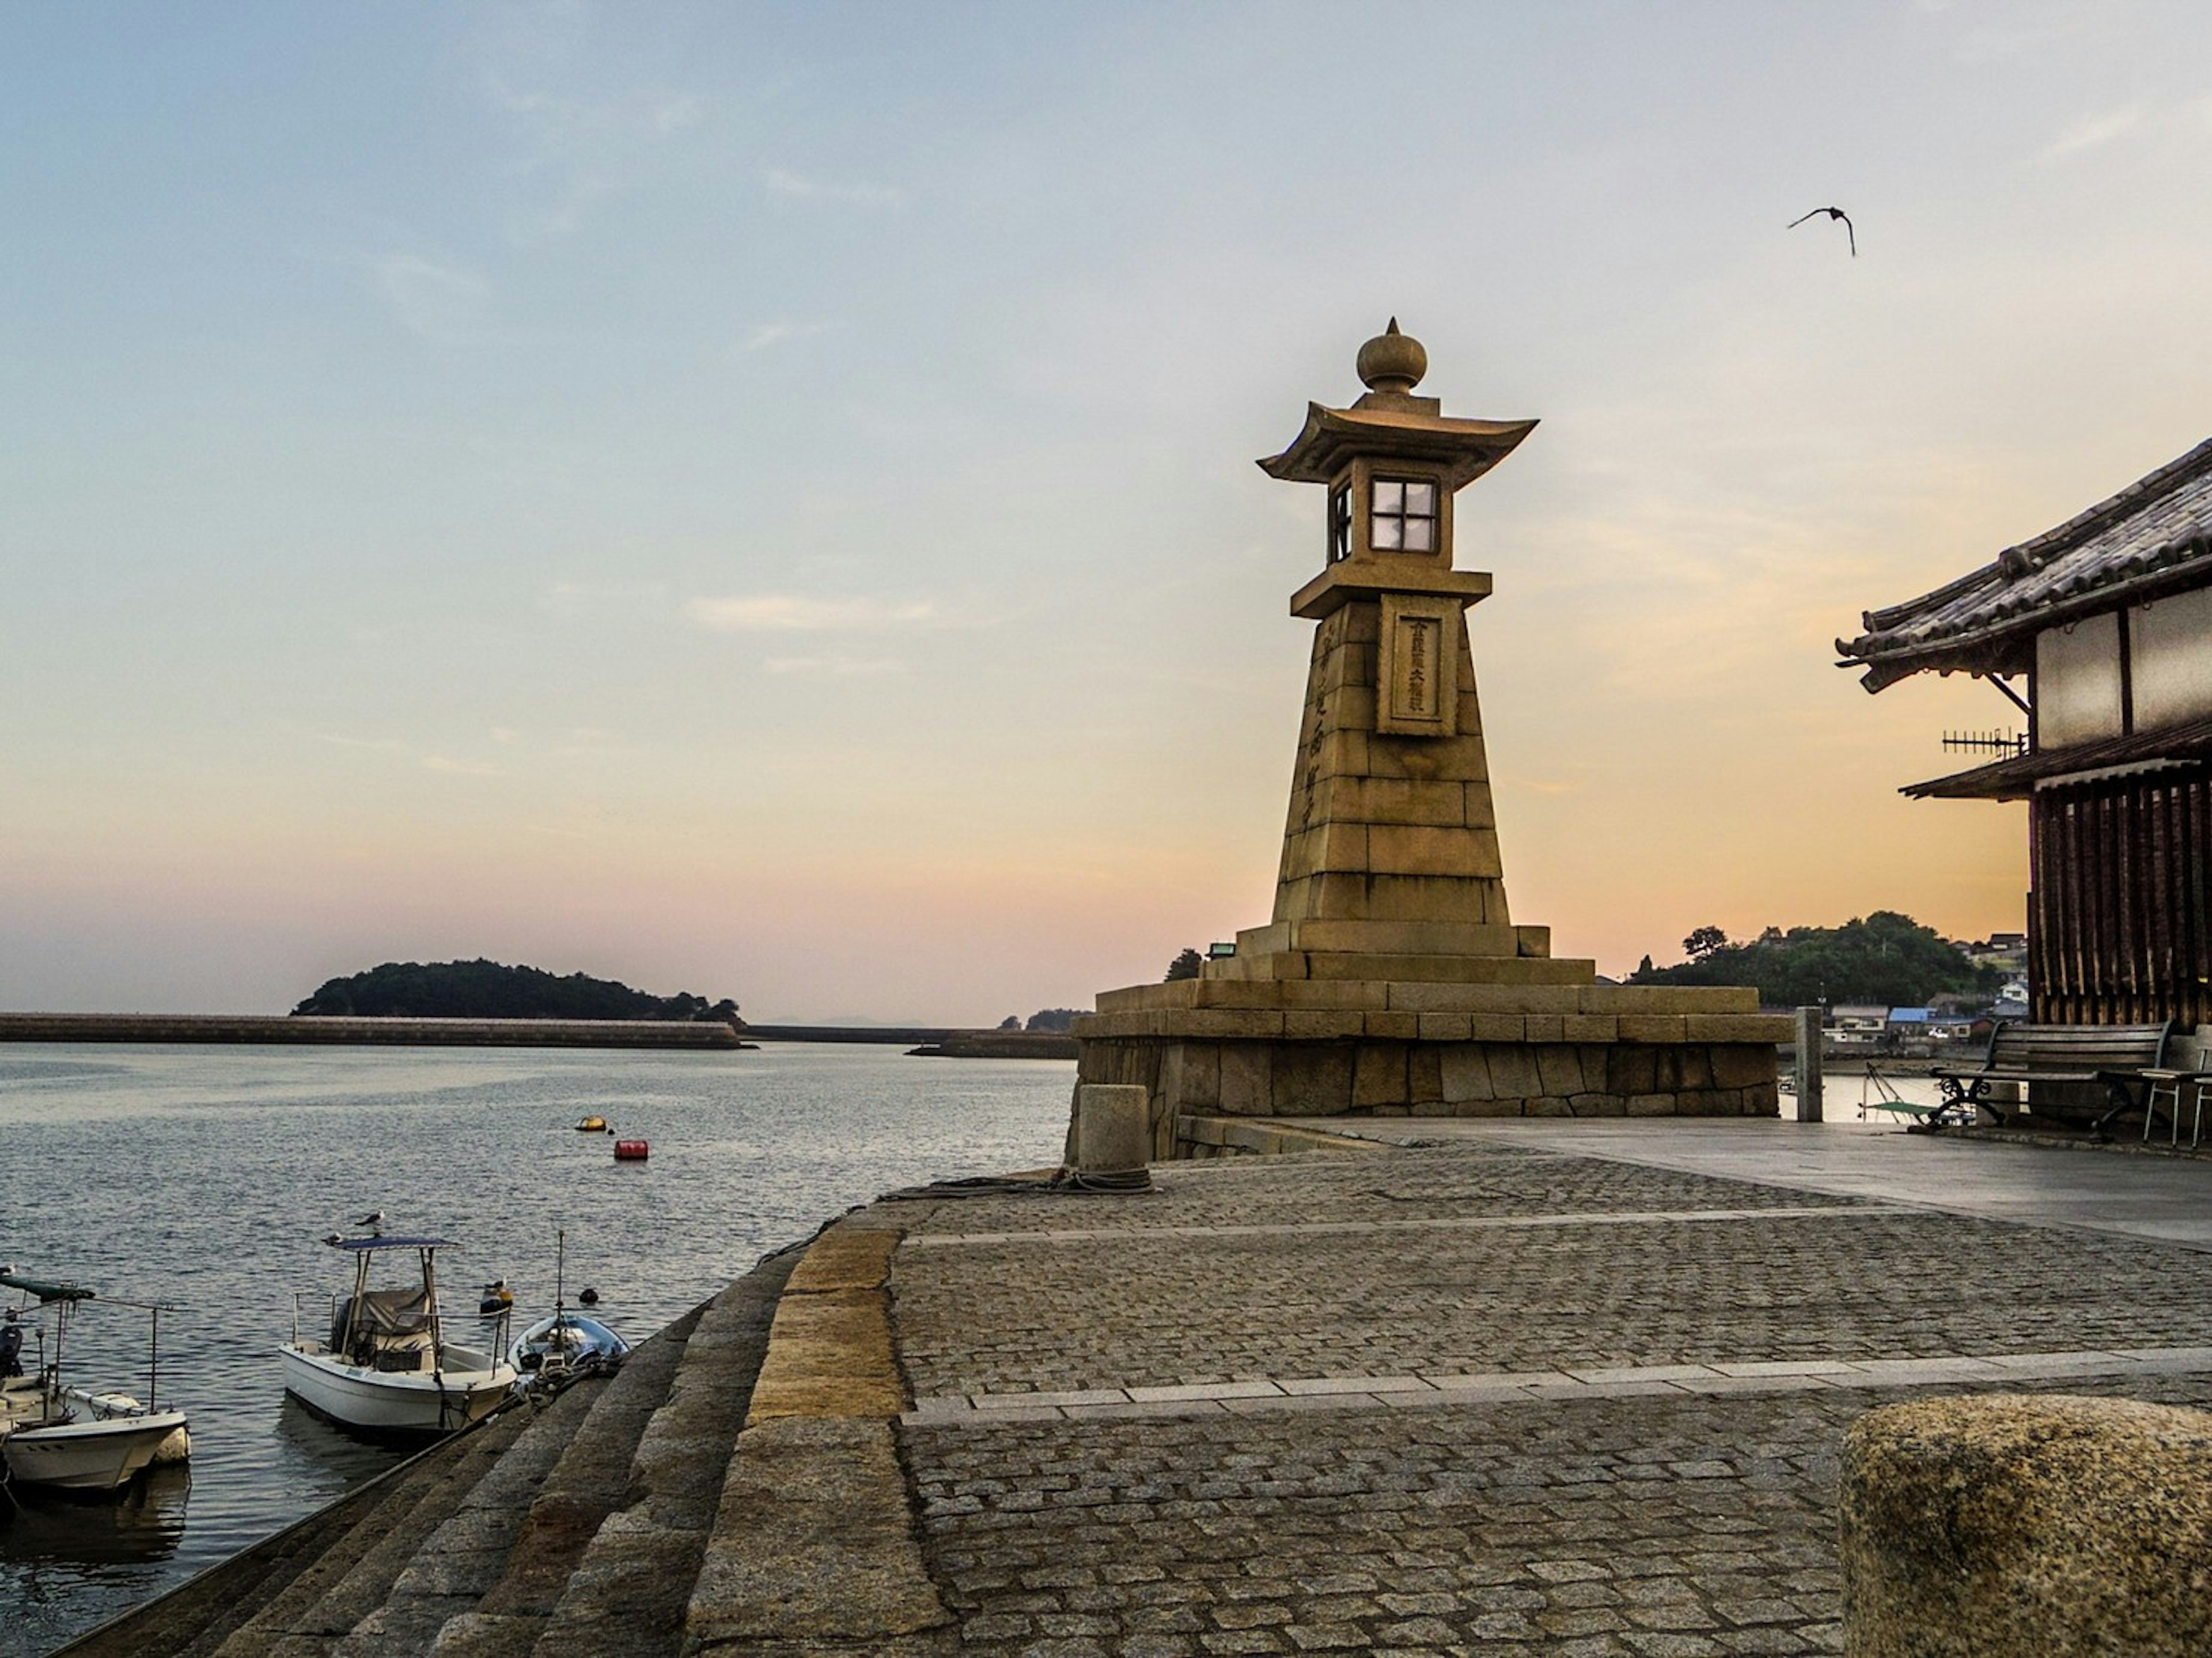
x: 1418, y: 676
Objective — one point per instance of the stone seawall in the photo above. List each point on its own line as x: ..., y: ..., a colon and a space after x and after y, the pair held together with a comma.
x: 365, y: 1032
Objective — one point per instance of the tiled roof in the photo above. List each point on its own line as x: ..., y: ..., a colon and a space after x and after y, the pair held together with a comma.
x: 2154, y: 532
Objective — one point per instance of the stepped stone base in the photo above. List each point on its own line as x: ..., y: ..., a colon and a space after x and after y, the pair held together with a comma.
x: 1307, y: 1033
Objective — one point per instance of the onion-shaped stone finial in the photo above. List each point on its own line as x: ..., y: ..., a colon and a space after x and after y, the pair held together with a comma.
x: 1392, y: 362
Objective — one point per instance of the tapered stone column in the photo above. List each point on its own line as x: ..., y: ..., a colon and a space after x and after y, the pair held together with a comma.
x: 1392, y: 979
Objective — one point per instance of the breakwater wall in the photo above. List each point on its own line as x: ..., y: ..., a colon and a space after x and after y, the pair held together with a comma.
x: 365, y: 1032
x: 1001, y: 1044
x: 907, y: 1035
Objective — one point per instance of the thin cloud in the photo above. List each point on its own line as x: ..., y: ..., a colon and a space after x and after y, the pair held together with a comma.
x: 789, y: 613
x: 573, y: 598
x: 437, y: 302
x: 574, y: 154
x: 776, y: 333
x: 657, y: 110
x: 832, y: 664
x: 783, y: 183
x: 459, y: 768
x: 2094, y: 130
x: 378, y: 744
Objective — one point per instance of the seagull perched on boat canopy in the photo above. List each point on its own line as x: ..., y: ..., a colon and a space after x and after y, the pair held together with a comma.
x: 374, y: 1222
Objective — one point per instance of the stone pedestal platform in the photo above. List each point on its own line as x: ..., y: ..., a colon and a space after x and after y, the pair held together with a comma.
x: 1322, y: 1032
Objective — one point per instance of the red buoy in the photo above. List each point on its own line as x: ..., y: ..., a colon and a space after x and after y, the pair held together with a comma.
x: 632, y: 1150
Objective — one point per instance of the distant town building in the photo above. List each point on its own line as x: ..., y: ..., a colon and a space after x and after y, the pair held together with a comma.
x: 2101, y: 630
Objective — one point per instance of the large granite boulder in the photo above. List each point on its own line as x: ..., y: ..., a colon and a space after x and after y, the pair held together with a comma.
x: 2016, y: 1524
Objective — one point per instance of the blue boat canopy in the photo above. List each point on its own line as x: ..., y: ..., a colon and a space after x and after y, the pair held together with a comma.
x: 47, y: 1291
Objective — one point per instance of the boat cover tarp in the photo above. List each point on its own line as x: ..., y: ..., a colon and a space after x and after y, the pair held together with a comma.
x: 382, y: 1313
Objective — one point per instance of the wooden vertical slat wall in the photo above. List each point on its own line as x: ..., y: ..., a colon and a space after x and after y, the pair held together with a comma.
x: 2120, y: 915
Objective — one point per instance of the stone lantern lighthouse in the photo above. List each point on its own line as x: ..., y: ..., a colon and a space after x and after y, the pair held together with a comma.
x: 1391, y: 979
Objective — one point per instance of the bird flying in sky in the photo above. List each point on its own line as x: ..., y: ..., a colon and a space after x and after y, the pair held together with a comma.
x: 1833, y: 213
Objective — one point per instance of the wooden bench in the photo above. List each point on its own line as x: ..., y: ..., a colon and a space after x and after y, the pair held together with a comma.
x: 2112, y: 1056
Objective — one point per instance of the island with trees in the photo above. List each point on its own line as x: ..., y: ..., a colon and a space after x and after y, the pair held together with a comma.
x: 491, y: 990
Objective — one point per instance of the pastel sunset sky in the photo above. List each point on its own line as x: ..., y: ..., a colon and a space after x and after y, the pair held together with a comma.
x: 759, y: 500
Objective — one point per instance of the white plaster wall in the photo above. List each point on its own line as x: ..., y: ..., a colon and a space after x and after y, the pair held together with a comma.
x: 2077, y: 682
x: 2171, y: 659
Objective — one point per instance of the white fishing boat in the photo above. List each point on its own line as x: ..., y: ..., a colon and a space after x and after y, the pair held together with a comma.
x: 386, y: 1368
x: 53, y: 1435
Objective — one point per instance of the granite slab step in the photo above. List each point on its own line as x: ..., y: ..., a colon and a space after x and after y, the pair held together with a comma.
x: 194, y: 1618
x: 589, y: 1482
x: 629, y: 1594
x: 467, y: 1554
x: 813, y: 1548
x: 338, y: 1592
x: 307, y: 1559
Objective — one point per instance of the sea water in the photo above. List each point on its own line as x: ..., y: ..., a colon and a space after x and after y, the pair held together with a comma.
x: 202, y: 1178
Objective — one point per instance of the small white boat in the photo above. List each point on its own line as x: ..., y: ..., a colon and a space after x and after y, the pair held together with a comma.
x: 566, y: 1343
x: 65, y: 1437
x: 387, y: 1369
x: 557, y: 1349
x: 93, y: 1453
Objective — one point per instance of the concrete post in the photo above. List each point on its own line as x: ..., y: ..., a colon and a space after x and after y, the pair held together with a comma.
x: 1113, y: 1129
x: 1808, y: 1064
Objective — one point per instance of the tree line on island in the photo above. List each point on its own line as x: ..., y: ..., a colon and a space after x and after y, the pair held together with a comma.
x: 1884, y: 957
x: 491, y: 990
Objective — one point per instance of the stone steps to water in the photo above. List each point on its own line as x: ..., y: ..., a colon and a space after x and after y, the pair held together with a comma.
x: 329, y: 1599
x: 193, y: 1619
x: 584, y: 1487
x: 451, y: 1569
x: 629, y: 1595
x: 579, y: 1526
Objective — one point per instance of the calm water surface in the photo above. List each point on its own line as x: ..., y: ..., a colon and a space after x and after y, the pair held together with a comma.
x: 203, y: 1176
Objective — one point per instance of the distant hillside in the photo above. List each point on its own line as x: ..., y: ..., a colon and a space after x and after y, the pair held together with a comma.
x: 489, y: 990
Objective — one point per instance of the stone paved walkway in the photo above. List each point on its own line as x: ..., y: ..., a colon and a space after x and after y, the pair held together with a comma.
x: 1491, y: 1397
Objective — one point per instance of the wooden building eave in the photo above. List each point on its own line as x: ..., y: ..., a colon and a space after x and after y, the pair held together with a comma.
x: 2173, y: 748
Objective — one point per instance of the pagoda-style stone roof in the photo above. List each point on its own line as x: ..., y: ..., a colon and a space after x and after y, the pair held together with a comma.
x: 1397, y: 424
x: 2154, y: 537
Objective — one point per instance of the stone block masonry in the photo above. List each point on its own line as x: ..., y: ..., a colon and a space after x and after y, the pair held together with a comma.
x: 1391, y: 979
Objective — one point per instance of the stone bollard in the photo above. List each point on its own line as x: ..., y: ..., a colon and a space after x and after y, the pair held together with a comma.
x: 2028, y: 1523
x: 1113, y: 1132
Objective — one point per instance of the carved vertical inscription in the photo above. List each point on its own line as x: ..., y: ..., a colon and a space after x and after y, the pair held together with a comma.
x: 1418, y: 678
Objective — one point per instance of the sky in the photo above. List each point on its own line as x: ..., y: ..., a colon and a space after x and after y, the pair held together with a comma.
x: 758, y: 500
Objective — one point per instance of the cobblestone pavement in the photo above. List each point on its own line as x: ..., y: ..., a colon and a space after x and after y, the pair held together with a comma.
x: 1849, y: 1281
x: 1580, y: 1522
x: 1639, y: 1525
